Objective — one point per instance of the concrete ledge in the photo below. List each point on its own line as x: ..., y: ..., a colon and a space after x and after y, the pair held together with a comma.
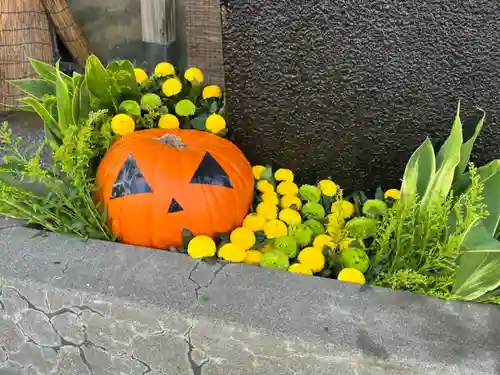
x: 73, y: 307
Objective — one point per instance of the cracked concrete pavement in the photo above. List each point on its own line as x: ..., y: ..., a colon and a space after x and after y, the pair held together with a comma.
x: 69, y: 306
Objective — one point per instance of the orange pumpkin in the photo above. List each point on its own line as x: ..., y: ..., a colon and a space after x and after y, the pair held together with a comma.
x: 157, y: 182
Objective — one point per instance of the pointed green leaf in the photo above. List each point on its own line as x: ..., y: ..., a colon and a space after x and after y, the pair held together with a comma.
x: 199, y: 122
x: 122, y: 72
x: 75, y: 100
x: 37, y: 88
x: 187, y: 236
x: 463, y: 181
x: 466, y: 148
x: 52, y: 131
x: 64, y: 105
x: 100, y: 84
x: 48, y: 72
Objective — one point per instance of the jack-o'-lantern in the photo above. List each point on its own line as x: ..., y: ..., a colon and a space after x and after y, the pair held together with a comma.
x: 155, y: 183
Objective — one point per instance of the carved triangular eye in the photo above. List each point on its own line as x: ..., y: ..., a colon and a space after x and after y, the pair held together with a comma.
x: 174, y: 207
x: 210, y: 172
x: 130, y: 180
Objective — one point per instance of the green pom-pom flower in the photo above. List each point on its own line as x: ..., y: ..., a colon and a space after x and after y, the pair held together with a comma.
x: 302, y: 234
x: 312, y: 210
x: 150, y: 102
x: 185, y: 108
x: 375, y: 208
x: 310, y: 193
x: 354, y: 257
x: 131, y: 108
x: 274, y: 259
x: 287, y: 245
x: 316, y: 227
x: 361, y: 227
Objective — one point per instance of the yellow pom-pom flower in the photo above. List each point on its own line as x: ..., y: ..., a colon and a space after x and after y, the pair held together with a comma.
x: 254, y: 222
x: 270, y: 197
x: 212, y: 91
x: 300, y: 269
x: 287, y: 188
x: 252, y: 257
x: 169, y: 121
x: 323, y: 240
x: 194, y: 75
x: 232, y: 252
x: 257, y: 171
x: 351, y: 275
x: 201, y: 247
x: 287, y: 201
x: 328, y: 188
x: 344, y: 208
x: 269, y: 211
x: 290, y: 216
x: 122, y: 124
x: 265, y: 186
x: 275, y: 229
x: 243, y: 237
x: 164, y: 69
x: 171, y: 87
x: 215, y: 123
x: 392, y: 193
x: 312, y: 258
x: 283, y: 174
x: 140, y: 75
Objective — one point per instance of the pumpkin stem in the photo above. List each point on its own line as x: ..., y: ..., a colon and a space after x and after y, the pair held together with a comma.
x: 172, y: 140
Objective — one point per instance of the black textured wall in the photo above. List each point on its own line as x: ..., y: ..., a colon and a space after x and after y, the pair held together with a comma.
x: 349, y: 88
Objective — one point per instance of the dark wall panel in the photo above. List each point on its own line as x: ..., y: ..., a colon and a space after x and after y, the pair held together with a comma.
x: 348, y: 88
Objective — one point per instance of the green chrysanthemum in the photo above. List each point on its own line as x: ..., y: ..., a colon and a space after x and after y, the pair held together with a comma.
x: 287, y: 245
x: 131, y: 108
x: 274, y: 259
x: 150, y: 102
x: 316, y: 227
x: 361, y: 227
x: 312, y: 210
x: 185, y: 108
x: 301, y: 233
x: 310, y: 193
x: 354, y: 257
x: 375, y: 208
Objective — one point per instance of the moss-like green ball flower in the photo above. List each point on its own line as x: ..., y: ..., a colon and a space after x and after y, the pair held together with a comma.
x: 150, y: 102
x: 301, y: 233
x: 354, y: 257
x: 131, y: 108
x: 374, y: 208
x: 313, y: 210
x: 274, y: 259
x: 185, y: 108
x: 287, y: 245
x: 310, y: 193
x: 316, y: 227
x: 361, y: 227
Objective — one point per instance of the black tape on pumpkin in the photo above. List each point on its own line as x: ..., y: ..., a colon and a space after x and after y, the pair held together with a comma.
x: 210, y: 172
x: 130, y: 180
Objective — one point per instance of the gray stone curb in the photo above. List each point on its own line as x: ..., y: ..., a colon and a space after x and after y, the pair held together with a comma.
x: 73, y: 307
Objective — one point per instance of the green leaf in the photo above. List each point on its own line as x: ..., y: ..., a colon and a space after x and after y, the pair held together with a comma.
x: 222, y: 238
x: 100, y: 84
x: 64, y: 105
x: 419, y: 172
x: 37, y: 88
x: 466, y: 149
x: 84, y: 102
x: 463, y: 182
x: 199, y: 122
x: 122, y: 72
x: 75, y: 100
x: 379, y: 194
x: 446, y: 162
x: 52, y: 131
x: 479, y: 266
x: 48, y: 72
x: 187, y: 236
x: 491, y: 191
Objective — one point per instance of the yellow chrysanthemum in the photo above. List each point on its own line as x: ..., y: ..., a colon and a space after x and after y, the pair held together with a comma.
x: 169, y: 121
x: 243, y: 237
x: 290, y: 216
x: 171, y: 87
x: 300, y: 269
x: 194, y: 75
x: 140, y: 75
x: 164, y: 69
x: 270, y: 197
x: 287, y: 201
x: 257, y: 171
x: 215, y: 123
x: 323, y: 240
x: 201, y: 247
x: 275, y: 229
x: 345, y: 243
x: 212, y: 91
x: 287, y: 188
x: 265, y: 186
x: 269, y: 211
x: 328, y: 188
x: 232, y: 252
x: 344, y: 208
x: 122, y: 124
x: 252, y: 257
x: 254, y: 222
x: 283, y: 174
x: 312, y: 258
x: 392, y: 193
x: 351, y: 275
